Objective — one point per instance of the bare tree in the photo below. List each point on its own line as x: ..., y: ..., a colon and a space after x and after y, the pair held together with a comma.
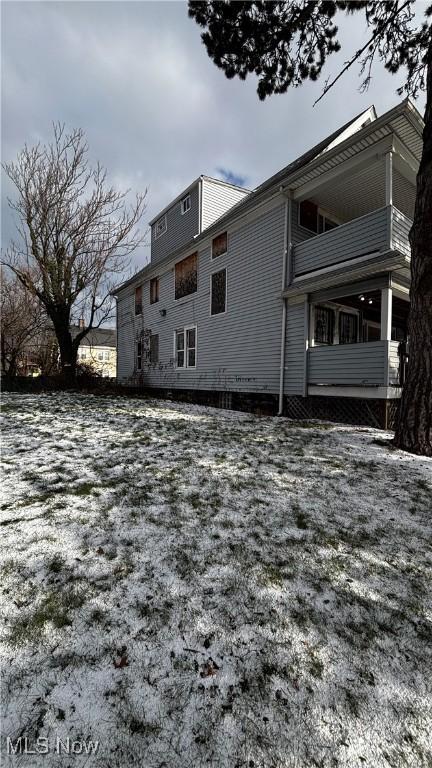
x: 22, y: 321
x: 76, y: 234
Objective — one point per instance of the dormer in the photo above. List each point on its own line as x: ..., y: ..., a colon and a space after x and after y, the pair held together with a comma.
x: 195, y: 209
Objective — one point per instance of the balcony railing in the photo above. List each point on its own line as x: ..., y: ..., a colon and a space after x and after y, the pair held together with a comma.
x: 375, y: 363
x: 381, y: 230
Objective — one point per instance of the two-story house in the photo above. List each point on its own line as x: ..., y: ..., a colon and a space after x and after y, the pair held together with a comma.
x: 293, y: 297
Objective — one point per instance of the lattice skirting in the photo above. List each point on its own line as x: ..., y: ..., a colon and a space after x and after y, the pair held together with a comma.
x: 347, y: 410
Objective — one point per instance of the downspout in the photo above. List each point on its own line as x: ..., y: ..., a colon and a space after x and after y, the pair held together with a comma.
x: 286, y: 270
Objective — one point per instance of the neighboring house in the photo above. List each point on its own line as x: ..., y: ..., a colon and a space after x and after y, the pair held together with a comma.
x: 98, y: 350
x: 292, y: 297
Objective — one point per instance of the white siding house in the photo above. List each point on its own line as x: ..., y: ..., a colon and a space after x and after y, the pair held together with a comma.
x: 293, y: 297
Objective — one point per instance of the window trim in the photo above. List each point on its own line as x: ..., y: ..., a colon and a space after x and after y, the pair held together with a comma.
x: 183, y: 330
x: 152, y: 362
x: 189, y: 295
x: 157, y: 234
x: 152, y: 280
x: 184, y: 211
x: 139, y: 367
x: 141, y: 305
x: 215, y: 238
x: 214, y: 272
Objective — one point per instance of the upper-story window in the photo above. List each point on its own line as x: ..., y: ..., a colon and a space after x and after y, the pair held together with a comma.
x: 186, y: 276
x: 324, y: 325
x: 138, y: 300
x: 219, y: 245
x: 185, y: 204
x: 312, y: 218
x: 160, y: 227
x: 154, y: 290
x: 218, y: 287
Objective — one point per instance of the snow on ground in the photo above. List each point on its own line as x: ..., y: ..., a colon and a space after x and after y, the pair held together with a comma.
x: 194, y: 587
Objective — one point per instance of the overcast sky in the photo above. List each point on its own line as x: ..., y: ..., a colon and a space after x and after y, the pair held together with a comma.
x: 156, y: 111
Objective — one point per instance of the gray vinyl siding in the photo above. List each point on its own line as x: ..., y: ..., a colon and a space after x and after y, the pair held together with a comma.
x: 180, y: 228
x: 125, y: 333
x: 295, y: 348
x: 349, y: 364
x: 367, y: 234
x: 401, y: 228
x: 217, y: 199
x: 236, y: 351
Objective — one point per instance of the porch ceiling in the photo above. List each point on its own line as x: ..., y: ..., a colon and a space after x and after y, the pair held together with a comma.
x: 363, y: 190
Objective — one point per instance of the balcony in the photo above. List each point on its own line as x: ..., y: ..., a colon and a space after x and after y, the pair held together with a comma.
x: 379, y: 231
x: 370, y: 364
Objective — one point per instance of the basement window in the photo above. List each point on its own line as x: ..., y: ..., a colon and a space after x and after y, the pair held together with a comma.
x: 186, y: 276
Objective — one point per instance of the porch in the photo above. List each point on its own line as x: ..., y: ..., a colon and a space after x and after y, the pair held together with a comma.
x: 358, y: 339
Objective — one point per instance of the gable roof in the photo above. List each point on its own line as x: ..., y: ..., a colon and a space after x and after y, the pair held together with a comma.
x: 97, y: 337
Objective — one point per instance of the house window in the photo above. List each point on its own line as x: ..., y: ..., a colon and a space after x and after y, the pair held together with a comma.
x: 82, y: 354
x: 100, y: 355
x: 154, y: 348
x: 218, y: 292
x: 160, y: 227
x: 138, y: 300
x: 311, y: 218
x: 219, y: 245
x: 186, y: 276
x: 185, y: 204
x: 348, y: 328
x: 154, y: 290
x: 324, y: 325
x: 185, y: 347
x: 106, y: 355
x: 139, y: 352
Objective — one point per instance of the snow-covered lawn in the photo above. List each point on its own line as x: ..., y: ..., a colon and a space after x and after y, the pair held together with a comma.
x: 194, y: 587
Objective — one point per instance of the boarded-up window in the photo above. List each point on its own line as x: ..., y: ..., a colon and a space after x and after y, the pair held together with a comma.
x: 154, y: 290
x: 348, y: 328
x: 186, y: 276
x: 139, y: 351
x: 324, y: 325
x: 219, y: 245
x: 154, y: 348
x: 218, y: 292
x: 138, y: 300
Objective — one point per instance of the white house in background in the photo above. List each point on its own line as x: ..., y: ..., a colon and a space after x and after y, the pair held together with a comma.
x: 98, y: 350
x: 292, y: 298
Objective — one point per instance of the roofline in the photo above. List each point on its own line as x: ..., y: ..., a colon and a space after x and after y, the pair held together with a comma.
x: 281, y: 184
x: 179, y: 197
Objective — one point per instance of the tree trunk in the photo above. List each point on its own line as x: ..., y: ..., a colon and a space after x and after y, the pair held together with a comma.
x: 68, y: 351
x: 414, y: 428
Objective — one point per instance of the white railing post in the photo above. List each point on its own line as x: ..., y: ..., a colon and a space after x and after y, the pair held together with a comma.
x: 386, y: 314
x: 389, y: 178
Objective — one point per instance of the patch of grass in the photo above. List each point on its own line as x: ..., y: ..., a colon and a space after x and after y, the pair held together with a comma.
x: 85, y: 489
x: 57, y: 564
x: 272, y: 576
x: 55, y: 608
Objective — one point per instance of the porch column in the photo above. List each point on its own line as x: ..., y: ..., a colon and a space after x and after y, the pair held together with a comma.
x: 389, y: 178
x: 386, y: 314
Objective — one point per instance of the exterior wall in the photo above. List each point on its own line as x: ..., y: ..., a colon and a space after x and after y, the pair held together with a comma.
x: 359, y: 237
x: 104, y: 367
x: 295, y: 347
x: 400, y: 231
x: 217, y: 199
x: 181, y: 228
x: 236, y: 351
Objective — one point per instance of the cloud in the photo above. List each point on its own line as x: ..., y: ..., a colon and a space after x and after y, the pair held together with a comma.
x: 156, y: 111
x: 231, y: 177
